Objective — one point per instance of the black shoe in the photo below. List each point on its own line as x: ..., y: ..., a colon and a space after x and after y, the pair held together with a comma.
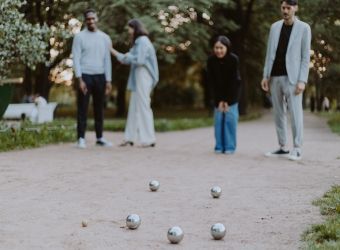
x: 148, y: 145
x: 126, y: 143
x: 278, y: 153
x: 103, y: 143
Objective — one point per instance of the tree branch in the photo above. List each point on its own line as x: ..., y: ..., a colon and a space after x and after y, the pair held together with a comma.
x: 248, y: 15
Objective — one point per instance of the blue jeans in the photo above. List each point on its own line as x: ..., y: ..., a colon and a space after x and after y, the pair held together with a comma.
x: 225, y: 129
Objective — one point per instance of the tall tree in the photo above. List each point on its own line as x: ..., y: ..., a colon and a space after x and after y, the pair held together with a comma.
x: 324, y: 18
x: 177, y: 30
x: 52, y: 14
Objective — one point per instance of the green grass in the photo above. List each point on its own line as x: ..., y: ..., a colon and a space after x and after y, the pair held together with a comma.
x: 334, y: 123
x: 326, y: 235
x: 64, y: 130
x: 31, y: 137
x: 333, y: 120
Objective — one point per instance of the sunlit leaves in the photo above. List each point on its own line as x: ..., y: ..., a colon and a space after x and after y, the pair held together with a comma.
x: 19, y: 40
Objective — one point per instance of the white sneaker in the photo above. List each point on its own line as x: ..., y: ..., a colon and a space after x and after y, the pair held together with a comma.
x: 81, y: 143
x: 103, y: 143
x: 295, y: 155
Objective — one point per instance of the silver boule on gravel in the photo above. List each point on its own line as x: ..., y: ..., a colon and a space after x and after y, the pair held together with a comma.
x: 216, y: 192
x: 133, y: 221
x: 175, y: 235
x: 154, y: 185
x: 218, y: 231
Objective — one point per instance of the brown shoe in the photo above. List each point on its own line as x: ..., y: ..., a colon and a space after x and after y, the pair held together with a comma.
x: 126, y: 143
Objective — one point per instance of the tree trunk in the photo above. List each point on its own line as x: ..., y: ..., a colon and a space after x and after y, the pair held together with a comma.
x: 27, y: 83
x: 121, y: 102
x: 42, y: 82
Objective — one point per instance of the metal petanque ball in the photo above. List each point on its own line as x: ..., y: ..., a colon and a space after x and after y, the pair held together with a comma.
x: 218, y: 231
x: 216, y: 192
x: 133, y: 221
x: 175, y: 235
x: 154, y: 185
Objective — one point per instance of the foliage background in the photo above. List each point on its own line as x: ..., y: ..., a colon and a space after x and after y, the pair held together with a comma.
x: 41, y: 36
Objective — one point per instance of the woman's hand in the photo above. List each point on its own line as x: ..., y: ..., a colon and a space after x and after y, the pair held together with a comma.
x: 221, y: 106
x: 226, y: 107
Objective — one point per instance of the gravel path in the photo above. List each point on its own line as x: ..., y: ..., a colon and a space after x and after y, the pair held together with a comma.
x: 46, y: 193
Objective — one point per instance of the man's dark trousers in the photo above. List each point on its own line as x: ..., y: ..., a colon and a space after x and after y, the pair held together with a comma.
x: 95, y: 85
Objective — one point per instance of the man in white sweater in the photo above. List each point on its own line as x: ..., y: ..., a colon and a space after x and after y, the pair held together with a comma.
x: 92, y: 67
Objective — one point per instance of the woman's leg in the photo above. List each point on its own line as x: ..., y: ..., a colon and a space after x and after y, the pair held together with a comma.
x: 218, y: 122
x: 144, y: 113
x: 230, y: 129
x: 130, y: 133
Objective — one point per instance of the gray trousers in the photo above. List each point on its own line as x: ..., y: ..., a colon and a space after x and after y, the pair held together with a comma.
x: 283, y: 96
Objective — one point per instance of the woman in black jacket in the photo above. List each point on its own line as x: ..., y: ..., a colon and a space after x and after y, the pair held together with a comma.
x: 224, y: 81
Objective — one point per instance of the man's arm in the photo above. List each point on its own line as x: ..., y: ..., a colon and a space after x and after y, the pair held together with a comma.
x: 305, y: 54
x: 305, y: 60
x: 76, y: 53
x: 266, y: 73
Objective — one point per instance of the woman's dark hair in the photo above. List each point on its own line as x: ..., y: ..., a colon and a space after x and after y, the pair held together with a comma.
x: 138, y: 29
x: 225, y: 41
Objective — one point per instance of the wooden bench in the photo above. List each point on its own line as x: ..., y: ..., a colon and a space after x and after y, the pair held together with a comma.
x: 36, y: 114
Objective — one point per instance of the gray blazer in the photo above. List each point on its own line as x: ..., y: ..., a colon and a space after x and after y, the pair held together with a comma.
x: 298, y: 51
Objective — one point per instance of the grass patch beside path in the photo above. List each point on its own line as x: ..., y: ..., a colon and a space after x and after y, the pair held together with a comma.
x: 27, y: 135
x: 334, y: 122
x: 326, y: 235
x: 30, y: 137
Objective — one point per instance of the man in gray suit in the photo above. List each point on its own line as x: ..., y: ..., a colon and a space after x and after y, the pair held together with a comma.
x: 285, y: 75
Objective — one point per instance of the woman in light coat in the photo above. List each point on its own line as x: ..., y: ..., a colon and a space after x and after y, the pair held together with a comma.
x: 143, y: 78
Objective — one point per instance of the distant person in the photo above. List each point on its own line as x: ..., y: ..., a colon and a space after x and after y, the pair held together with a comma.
x: 286, y: 73
x: 27, y: 98
x: 224, y: 81
x: 39, y: 100
x: 325, y: 104
x: 143, y: 78
x: 92, y: 66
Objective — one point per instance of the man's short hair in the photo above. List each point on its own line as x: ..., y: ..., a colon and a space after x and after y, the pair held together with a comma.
x: 290, y: 2
x: 89, y: 11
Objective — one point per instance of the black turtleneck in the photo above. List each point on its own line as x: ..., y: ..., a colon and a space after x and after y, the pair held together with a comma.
x: 224, y: 78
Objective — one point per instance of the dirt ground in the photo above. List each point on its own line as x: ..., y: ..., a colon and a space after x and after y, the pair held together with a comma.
x: 46, y: 193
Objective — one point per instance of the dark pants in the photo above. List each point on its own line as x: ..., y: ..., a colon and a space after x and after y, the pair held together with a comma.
x: 96, y: 87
